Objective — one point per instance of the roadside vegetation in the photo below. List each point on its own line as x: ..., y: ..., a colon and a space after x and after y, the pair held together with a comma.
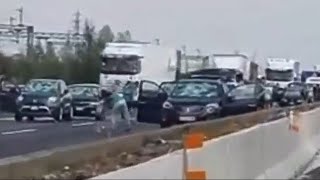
x: 73, y: 63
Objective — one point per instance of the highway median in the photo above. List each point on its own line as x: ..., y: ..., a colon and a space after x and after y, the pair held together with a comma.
x: 89, y: 160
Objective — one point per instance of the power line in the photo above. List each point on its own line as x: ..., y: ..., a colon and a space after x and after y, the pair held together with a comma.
x: 15, y: 32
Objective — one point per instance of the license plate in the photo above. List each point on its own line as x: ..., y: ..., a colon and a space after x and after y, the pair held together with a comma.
x: 79, y: 108
x: 187, y: 118
x: 34, y: 108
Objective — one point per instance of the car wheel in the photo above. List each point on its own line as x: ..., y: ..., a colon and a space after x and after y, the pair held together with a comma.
x: 30, y: 118
x: 18, y: 117
x: 97, y: 118
x: 58, y: 114
x: 69, y: 116
x: 165, y: 124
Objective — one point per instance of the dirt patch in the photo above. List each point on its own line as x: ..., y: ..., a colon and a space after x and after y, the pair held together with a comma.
x: 101, y: 165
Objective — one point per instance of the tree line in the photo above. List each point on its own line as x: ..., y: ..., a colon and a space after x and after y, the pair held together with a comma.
x: 74, y: 64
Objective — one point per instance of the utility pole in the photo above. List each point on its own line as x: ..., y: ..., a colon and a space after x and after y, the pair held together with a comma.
x: 11, y: 20
x: 20, y: 11
x: 77, y: 23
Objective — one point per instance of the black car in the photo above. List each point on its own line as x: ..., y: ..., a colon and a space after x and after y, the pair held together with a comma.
x: 85, y: 98
x: 292, y: 96
x: 193, y: 100
x: 246, y: 98
x: 44, y: 98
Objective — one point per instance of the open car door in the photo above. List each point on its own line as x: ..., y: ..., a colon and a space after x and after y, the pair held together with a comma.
x: 150, y: 100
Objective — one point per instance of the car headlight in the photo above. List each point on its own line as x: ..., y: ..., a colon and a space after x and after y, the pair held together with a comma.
x: 94, y: 104
x: 52, y: 101
x: 210, y: 108
x: 20, y: 98
x: 167, y: 105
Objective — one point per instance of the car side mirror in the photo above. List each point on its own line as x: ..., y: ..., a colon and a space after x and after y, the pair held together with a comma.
x: 162, y: 96
x: 66, y: 91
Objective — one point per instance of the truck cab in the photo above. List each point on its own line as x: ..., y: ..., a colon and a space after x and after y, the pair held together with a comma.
x: 281, y: 71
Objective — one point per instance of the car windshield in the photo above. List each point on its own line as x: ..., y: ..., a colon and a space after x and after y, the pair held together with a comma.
x: 42, y: 87
x: 84, y: 91
x: 295, y: 85
x: 168, y: 87
x: 243, y: 92
x: 293, y: 88
x: 306, y: 74
x: 274, y: 75
x: 124, y: 65
x: 196, y: 90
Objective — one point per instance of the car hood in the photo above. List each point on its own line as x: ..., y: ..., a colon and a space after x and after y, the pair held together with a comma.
x: 35, y: 98
x: 192, y: 101
x: 37, y: 95
x: 84, y: 99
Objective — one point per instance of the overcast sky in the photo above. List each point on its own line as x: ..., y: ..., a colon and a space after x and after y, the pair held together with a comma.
x: 286, y: 28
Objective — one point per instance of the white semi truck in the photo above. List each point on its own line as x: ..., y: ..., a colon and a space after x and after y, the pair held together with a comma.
x: 281, y: 71
x: 124, y: 62
x: 248, y: 70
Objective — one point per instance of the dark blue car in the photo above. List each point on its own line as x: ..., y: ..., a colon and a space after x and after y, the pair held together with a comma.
x: 246, y: 98
x: 193, y: 100
x: 44, y: 98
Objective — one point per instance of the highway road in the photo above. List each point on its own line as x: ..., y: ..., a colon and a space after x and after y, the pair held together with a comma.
x: 26, y: 137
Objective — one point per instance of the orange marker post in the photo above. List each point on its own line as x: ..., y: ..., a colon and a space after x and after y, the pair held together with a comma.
x: 192, y: 141
x: 196, y: 175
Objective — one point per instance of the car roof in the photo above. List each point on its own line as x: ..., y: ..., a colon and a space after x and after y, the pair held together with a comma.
x: 85, y: 84
x: 200, y: 80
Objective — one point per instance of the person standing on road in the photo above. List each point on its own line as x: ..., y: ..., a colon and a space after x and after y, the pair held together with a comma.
x: 115, y: 103
x: 130, y: 93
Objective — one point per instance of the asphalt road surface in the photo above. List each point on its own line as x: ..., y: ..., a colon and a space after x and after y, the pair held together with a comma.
x: 26, y: 137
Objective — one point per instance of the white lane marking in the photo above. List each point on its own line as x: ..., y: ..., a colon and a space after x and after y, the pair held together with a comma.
x: 18, y: 132
x: 7, y: 119
x: 83, y: 124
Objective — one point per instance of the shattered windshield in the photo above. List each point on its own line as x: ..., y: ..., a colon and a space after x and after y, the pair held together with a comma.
x: 42, y: 87
x: 196, y: 90
x: 84, y: 91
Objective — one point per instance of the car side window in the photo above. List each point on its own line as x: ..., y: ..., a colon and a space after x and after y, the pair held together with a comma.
x: 225, y: 88
x: 258, y: 89
x: 59, y: 88
x: 64, y: 86
x: 149, y: 89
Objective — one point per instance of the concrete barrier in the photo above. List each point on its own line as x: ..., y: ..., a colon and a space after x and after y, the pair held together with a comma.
x: 272, y: 150
x: 37, y: 164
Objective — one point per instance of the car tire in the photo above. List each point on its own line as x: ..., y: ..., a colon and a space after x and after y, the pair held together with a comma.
x: 97, y: 118
x: 18, y: 117
x: 69, y: 115
x: 165, y: 124
x: 58, y: 114
x: 30, y: 118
